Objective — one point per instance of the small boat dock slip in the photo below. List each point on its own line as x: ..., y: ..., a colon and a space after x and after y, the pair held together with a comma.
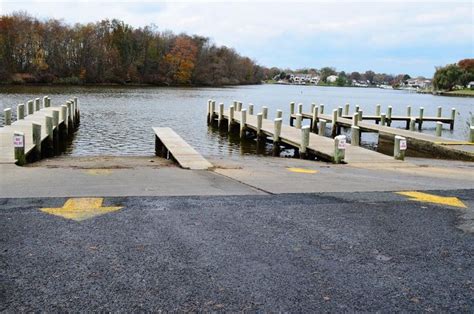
x: 169, y: 144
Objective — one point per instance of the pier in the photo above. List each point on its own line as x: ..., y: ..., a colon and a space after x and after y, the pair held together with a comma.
x: 39, y: 131
x: 308, y: 145
x: 435, y: 146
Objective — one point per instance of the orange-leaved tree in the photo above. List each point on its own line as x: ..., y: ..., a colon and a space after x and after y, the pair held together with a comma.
x: 182, y: 59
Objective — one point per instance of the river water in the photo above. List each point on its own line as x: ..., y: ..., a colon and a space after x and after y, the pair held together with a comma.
x: 118, y: 120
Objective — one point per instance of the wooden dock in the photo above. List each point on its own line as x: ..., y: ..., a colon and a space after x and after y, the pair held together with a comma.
x: 435, y: 146
x: 39, y: 133
x: 169, y: 144
x: 321, y: 147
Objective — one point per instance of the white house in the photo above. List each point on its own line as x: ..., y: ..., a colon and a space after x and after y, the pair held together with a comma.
x: 331, y: 78
x: 470, y: 85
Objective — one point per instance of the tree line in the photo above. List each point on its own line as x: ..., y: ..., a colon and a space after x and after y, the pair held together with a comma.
x: 453, y: 75
x: 111, y: 51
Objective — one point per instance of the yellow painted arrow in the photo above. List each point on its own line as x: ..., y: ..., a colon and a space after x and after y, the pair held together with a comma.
x: 79, y: 209
x: 431, y: 198
x: 302, y: 170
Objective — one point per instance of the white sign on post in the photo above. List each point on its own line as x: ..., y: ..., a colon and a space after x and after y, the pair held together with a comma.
x: 342, y: 143
x: 18, y: 141
x: 403, y: 145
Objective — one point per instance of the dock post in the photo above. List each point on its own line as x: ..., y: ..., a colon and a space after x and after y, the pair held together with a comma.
x: 299, y: 118
x: 312, y: 106
x: 389, y: 115
x: 382, y: 119
x: 339, y: 111
x: 409, y: 117
x: 8, y: 116
x: 439, y: 111
x: 408, y: 111
x: 304, y: 142
x: 231, y: 118
x: 334, y: 123
x: 220, y: 117
x: 357, y: 108
x: 346, y: 109
x: 250, y: 109
x: 239, y: 106
x: 400, y: 146
x: 300, y: 108
x: 69, y: 117
x: 377, y: 110
x: 49, y: 149
x: 243, y: 122
x: 360, y: 115
x: 453, y: 117
x: 64, y: 127
x: 208, y: 110
x: 322, y: 127
x: 279, y: 113
x: 355, y: 119
x: 37, y: 104
x: 259, y: 124
x: 439, y: 128
x: 20, y: 112
x: 49, y: 102
x: 339, y: 148
x: 314, y: 122
x: 45, y: 102
x: 321, y: 109
x: 36, y: 128
x: 212, y: 113
x: 355, y: 135
x: 292, y: 108
x: 420, y: 122
x: 412, y: 124
x: 19, y: 148
x: 265, y: 112
x: 276, y: 136
x: 31, y: 107
x: 471, y: 134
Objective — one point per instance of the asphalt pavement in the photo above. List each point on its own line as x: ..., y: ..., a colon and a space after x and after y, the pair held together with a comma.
x: 370, y: 251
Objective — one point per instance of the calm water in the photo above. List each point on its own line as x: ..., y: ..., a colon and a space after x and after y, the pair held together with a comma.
x: 118, y: 121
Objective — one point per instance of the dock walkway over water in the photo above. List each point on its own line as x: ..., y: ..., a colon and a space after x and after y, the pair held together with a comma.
x: 436, y: 146
x: 323, y: 148
x: 38, y: 131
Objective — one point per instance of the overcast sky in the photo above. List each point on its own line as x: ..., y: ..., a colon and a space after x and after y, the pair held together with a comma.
x: 385, y: 36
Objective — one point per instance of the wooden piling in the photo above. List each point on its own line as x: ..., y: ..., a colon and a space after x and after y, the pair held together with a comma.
x: 239, y: 106
x: 453, y: 117
x: 279, y: 113
x: 377, y: 110
x: 322, y: 127
x: 357, y: 108
x: 312, y: 106
x: 304, y: 141
x: 339, y: 148
x: 243, y: 122
x: 220, y: 117
x: 420, y: 117
x: 314, y: 120
x: 49, y: 101
x: 231, y: 118
x: 412, y: 124
x: 30, y: 107
x: 400, y: 146
x: 265, y: 112
x: 439, y: 128
x: 321, y: 109
x: 389, y: 115
x: 346, y: 109
x: 208, y: 111
x: 334, y: 123
x: 299, y: 119
x: 64, y: 127
x: 382, y: 119
x: 20, y: 112
x: 300, y: 108
x: 213, y: 109
x: 439, y: 111
x: 37, y: 104
x: 355, y: 135
x: 360, y: 113
x: 471, y: 134
x: 45, y: 102
x: 259, y: 124
x: 250, y: 109
x: 276, y: 136
x: 7, y: 113
x: 408, y: 111
x: 339, y: 111
x: 355, y: 119
x: 19, y: 148
x: 292, y: 108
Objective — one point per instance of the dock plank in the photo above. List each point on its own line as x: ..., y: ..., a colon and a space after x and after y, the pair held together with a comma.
x: 186, y: 156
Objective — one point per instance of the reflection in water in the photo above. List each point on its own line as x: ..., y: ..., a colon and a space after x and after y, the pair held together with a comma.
x: 118, y: 120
